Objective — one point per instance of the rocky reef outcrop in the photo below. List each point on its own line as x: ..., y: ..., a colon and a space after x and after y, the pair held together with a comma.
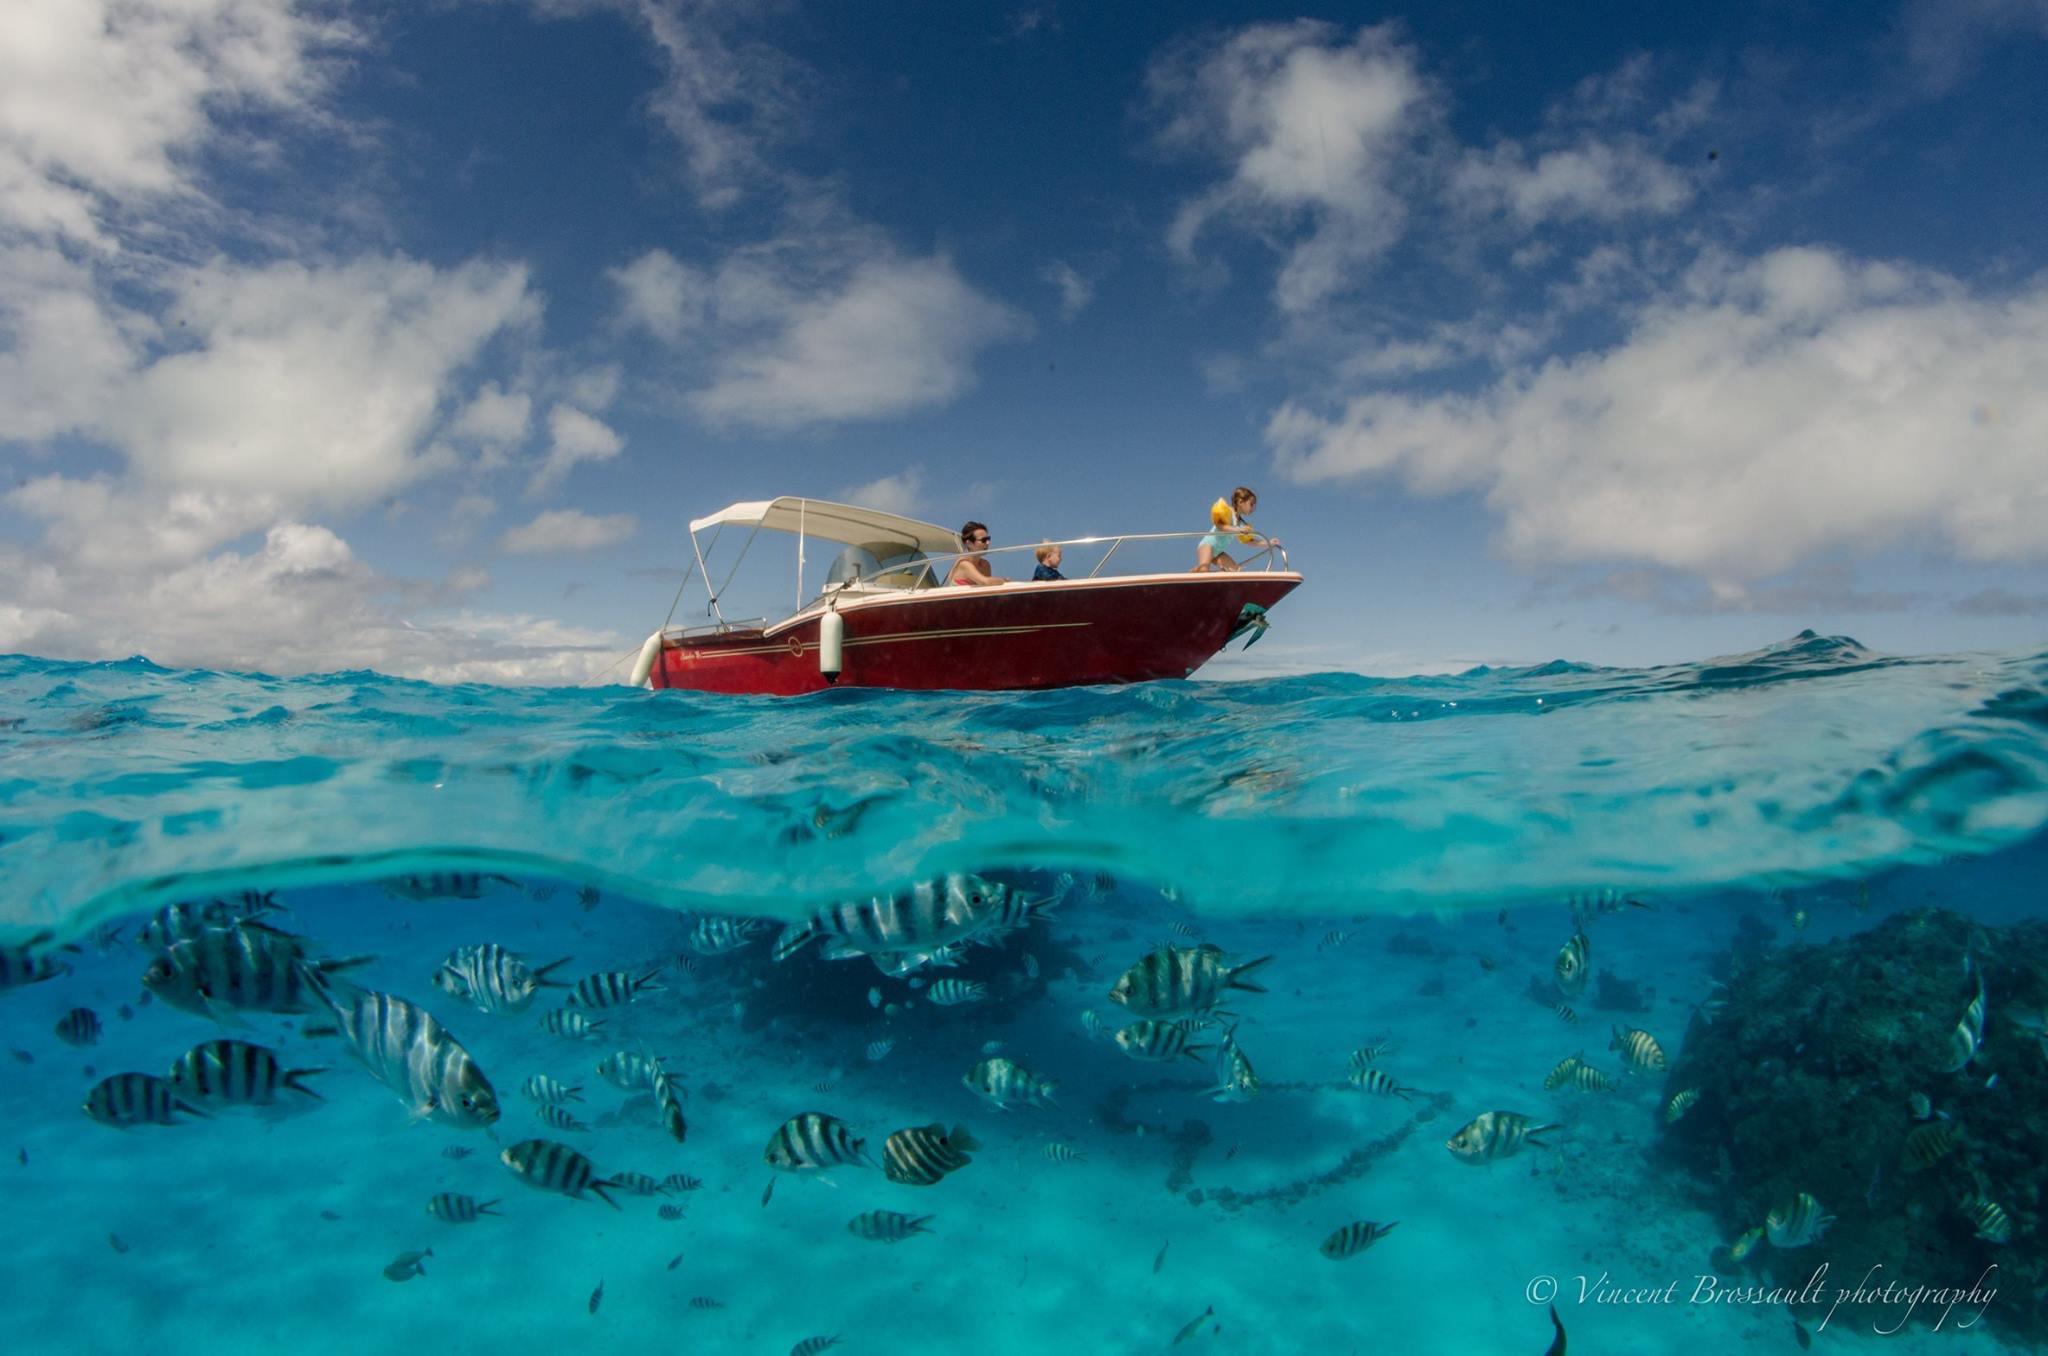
x: 1838, y: 1070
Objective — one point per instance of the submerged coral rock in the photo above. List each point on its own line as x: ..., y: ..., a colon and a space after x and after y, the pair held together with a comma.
x: 1807, y: 1076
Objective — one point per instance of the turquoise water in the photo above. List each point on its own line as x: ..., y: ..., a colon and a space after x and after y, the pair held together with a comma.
x: 1792, y: 868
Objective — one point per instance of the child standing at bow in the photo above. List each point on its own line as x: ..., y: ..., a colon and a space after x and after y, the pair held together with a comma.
x: 1227, y: 517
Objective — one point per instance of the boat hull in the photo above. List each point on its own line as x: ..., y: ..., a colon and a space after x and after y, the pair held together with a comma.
x: 1014, y: 636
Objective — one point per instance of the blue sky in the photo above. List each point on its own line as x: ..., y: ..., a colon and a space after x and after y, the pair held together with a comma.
x: 411, y: 336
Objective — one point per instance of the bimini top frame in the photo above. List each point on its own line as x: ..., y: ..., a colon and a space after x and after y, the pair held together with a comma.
x: 882, y: 534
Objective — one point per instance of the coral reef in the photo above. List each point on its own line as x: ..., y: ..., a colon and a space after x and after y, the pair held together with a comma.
x: 1812, y: 1067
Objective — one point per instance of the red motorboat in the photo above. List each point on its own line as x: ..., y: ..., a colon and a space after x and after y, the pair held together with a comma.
x: 886, y: 617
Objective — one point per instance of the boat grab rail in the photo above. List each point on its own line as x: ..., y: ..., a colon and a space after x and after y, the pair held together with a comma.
x: 931, y: 578
x: 1271, y: 551
x: 714, y: 629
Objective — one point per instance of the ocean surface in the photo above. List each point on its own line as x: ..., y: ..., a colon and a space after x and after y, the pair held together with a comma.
x: 1696, y: 1008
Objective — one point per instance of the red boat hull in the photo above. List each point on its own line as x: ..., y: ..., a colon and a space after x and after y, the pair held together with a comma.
x: 1011, y: 636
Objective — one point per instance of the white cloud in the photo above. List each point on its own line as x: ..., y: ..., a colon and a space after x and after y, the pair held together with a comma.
x: 316, y: 383
x: 594, y: 388
x: 158, y: 529
x: 901, y: 493
x: 1313, y: 129
x: 62, y: 352
x: 300, y: 602
x: 293, y: 385
x: 494, y: 419
x: 1593, y: 179
x: 1075, y: 291
x: 1773, y: 409
x: 660, y: 295
x: 573, y: 437
x: 568, y: 530
x: 458, y: 524
x: 103, y: 102
x: 1223, y: 373
x: 724, y: 102
x: 893, y: 335
x: 1600, y: 157
x: 1944, y: 39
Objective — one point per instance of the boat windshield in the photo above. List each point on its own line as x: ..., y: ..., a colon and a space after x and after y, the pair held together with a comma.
x: 900, y: 569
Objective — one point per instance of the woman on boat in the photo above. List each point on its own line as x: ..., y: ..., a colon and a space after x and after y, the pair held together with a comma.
x: 973, y: 569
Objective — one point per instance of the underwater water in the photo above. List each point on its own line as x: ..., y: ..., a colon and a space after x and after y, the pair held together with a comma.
x: 1704, y: 1006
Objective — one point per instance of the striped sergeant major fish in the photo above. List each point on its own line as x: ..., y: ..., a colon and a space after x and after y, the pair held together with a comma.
x: 422, y: 886
x: 949, y: 992
x: 1561, y: 1073
x: 244, y: 966
x: 456, y: 1208
x: 1159, y: 1041
x: 1590, y: 904
x: 1639, y: 1049
x: 923, y: 1154
x: 1006, y: 1083
x: 668, y: 1103
x: 1380, y: 1083
x: 718, y: 934
x: 638, y: 1183
x: 811, y: 1346
x: 406, y: 1050
x: 1586, y: 1078
x: 1964, y: 1041
x: 930, y: 915
x: 610, y: 988
x: 627, y: 1071
x: 26, y: 963
x: 546, y: 1165
x: 236, y: 1073
x: 573, y: 1024
x: 542, y: 1088
x: 812, y: 1141
x: 492, y: 979
x: 1797, y: 1223
x: 79, y: 1028
x: 1178, y: 980
x: 1235, y: 1080
x: 1573, y: 965
x: 1374, y: 1050
x: 173, y: 923
x: 888, y: 1226
x: 558, y: 1118
x: 1354, y: 1238
x: 1928, y: 1144
x: 132, y: 1099
x: 1495, y: 1134
x: 1992, y: 1223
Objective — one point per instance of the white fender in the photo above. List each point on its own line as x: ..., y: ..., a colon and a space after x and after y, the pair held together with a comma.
x: 831, y: 642
x: 644, y: 665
